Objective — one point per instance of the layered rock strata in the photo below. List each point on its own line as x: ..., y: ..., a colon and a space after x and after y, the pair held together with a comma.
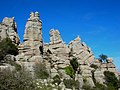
x: 33, y: 43
x: 8, y: 28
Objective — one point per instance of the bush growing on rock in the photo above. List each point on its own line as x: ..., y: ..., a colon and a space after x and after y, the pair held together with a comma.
x: 7, y: 47
x: 12, y: 80
x: 111, y: 80
x: 74, y: 63
x: 70, y: 71
x: 97, y: 87
x: 56, y: 80
x: 13, y: 63
x: 40, y: 71
x: 70, y: 83
x: 93, y: 66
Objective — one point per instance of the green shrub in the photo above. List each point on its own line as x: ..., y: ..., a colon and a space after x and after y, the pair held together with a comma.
x: 41, y: 71
x: 56, y: 80
x: 99, y: 86
x: 86, y: 87
x: 70, y: 83
x: 70, y: 71
x: 111, y: 80
x: 74, y: 63
x: 17, y: 66
x: 7, y: 47
x: 94, y: 66
x: 12, y: 80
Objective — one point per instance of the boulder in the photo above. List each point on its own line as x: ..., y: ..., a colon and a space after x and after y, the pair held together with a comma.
x: 99, y: 76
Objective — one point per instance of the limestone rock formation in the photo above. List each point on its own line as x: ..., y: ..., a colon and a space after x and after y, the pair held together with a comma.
x: 33, y: 42
x: 8, y: 28
x: 81, y: 51
x: 58, y: 49
x: 33, y: 33
x: 99, y: 76
x: 108, y: 66
x: 56, y: 54
x: 55, y: 36
x: 111, y: 67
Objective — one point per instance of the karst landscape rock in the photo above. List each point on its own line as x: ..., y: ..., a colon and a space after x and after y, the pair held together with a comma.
x: 56, y: 55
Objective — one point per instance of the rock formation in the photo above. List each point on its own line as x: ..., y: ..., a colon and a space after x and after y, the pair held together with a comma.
x: 33, y: 43
x: 81, y: 51
x: 8, y: 28
x: 56, y: 54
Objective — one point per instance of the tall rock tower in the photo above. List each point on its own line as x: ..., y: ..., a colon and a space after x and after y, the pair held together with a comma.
x: 33, y: 43
x: 8, y: 28
x: 33, y: 31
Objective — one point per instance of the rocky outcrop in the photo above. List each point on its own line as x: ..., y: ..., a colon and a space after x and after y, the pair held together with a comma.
x: 8, y: 28
x: 81, y: 51
x: 58, y: 50
x: 99, y: 76
x: 102, y: 67
x: 56, y: 54
x: 111, y: 67
x: 55, y: 36
x: 33, y: 43
x: 108, y: 66
x: 33, y: 31
x: 86, y: 73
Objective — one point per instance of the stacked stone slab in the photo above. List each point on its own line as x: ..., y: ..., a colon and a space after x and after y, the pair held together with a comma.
x: 108, y: 66
x: 99, y: 76
x: 81, y: 51
x: 59, y: 54
x: 33, y: 42
x: 111, y: 67
x: 58, y: 49
x: 85, y: 71
x: 8, y: 28
x: 33, y: 31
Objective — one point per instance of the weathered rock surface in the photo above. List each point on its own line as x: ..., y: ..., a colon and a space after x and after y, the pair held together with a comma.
x: 56, y: 54
x: 81, y: 51
x: 33, y: 43
x: 99, y: 76
x: 8, y: 28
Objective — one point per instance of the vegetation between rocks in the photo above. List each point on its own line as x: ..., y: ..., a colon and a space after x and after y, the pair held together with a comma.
x: 70, y: 83
x: 7, y: 47
x: 41, y: 71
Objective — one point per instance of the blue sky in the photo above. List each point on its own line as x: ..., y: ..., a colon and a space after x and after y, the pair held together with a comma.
x: 96, y: 21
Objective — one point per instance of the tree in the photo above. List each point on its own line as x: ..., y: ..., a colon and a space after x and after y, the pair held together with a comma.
x: 111, y: 80
x: 74, y: 63
x: 7, y: 47
x: 103, y: 58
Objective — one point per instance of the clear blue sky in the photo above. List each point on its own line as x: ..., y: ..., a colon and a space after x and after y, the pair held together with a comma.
x: 96, y: 21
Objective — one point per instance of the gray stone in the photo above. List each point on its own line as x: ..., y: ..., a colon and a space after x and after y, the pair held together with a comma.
x: 9, y: 58
x: 8, y: 28
x: 63, y: 74
x: 36, y: 59
x: 55, y: 36
x: 90, y: 82
x: 99, y: 76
